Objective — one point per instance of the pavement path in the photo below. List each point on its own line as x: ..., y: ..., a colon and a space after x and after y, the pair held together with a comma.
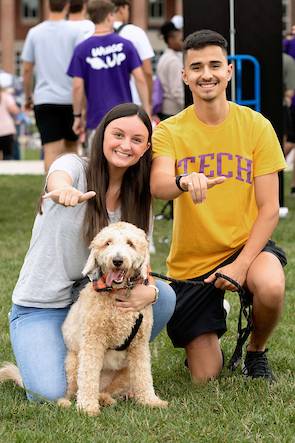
x: 22, y: 167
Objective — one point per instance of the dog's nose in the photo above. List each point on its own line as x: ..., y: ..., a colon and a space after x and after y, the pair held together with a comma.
x: 117, y: 261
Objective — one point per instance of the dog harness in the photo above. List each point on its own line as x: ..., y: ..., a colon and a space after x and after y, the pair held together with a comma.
x: 99, y: 285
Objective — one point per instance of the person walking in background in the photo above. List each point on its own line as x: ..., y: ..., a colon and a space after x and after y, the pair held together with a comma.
x: 101, y: 67
x: 234, y: 150
x: 46, y: 53
x: 77, y: 16
x: 169, y: 69
x: 141, y: 42
x: 8, y: 108
x: 289, y: 123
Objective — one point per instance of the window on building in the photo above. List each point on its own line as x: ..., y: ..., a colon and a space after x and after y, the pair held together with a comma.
x: 156, y: 12
x: 30, y: 10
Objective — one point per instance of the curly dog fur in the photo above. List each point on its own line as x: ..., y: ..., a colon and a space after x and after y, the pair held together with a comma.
x: 94, y: 327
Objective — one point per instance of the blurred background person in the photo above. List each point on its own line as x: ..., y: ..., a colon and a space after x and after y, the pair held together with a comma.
x: 289, y: 102
x: 46, y: 55
x: 78, y: 16
x: 101, y: 67
x: 169, y: 70
x: 8, y: 109
x: 141, y: 42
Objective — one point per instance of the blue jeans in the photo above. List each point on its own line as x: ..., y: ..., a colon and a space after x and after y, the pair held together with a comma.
x: 39, y: 348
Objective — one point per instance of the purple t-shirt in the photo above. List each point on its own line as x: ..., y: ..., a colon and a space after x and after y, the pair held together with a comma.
x: 105, y: 64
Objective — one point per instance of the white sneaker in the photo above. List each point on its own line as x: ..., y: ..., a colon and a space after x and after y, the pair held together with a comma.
x: 226, y: 306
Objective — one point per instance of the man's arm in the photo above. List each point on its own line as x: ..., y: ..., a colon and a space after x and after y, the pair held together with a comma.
x: 142, y: 88
x: 267, y: 200
x: 78, y: 101
x: 163, y: 184
x: 28, y: 68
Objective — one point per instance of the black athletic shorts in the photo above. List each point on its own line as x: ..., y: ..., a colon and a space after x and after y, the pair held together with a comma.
x: 6, y: 146
x: 200, y: 309
x: 55, y: 122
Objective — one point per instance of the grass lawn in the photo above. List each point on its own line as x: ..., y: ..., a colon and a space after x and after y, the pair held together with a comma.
x: 231, y: 409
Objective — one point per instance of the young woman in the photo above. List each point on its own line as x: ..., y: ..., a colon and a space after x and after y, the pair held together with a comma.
x: 82, y: 197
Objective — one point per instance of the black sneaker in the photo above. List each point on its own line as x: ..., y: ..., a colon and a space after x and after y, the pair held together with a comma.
x: 256, y: 365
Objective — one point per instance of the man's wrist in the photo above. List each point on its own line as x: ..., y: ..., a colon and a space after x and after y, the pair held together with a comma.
x: 77, y: 114
x: 178, y: 182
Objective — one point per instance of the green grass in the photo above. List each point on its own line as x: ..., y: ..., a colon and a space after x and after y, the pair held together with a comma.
x: 230, y: 409
x: 31, y: 154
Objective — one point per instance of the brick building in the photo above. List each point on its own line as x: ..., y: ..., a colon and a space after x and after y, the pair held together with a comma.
x: 18, y: 16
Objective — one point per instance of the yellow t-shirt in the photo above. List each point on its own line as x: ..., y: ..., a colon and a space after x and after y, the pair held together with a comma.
x: 242, y: 147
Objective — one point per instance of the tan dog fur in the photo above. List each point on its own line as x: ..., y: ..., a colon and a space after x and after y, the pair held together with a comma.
x: 95, y: 326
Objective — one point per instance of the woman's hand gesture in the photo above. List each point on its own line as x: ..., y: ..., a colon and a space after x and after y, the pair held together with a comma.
x: 68, y: 196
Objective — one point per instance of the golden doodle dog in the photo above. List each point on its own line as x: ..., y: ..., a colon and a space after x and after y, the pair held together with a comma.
x: 96, y: 332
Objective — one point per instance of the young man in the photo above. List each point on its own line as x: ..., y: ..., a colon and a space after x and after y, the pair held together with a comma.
x: 233, y: 150
x: 101, y: 67
x: 48, y: 50
x: 77, y: 17
x: 169, y: 69
x: 141, y: 42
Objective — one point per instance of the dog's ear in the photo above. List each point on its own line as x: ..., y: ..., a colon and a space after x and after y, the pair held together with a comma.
x: 91, y: 264
x: 145, y: 267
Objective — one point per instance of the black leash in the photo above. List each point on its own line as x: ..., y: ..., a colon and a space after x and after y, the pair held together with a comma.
x: 174, y: 280
x: 245, y: 309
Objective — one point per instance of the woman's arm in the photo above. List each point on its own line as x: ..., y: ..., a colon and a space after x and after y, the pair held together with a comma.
x: 61, y: 191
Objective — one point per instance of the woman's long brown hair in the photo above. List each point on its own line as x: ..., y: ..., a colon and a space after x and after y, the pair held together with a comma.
x: 135, y: 196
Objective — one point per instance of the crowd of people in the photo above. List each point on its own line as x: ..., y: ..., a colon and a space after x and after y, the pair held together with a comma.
x: 216, y: 160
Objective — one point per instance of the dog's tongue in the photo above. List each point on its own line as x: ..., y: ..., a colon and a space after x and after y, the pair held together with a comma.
x: 116, y: 276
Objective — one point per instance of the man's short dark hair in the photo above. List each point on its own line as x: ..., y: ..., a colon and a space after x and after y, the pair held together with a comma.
x: 98, y: 10
x: 119, y: 3
x: 201, y: 39
x: 76, y: 6
x: 57, y: 5
x: 167, y: 30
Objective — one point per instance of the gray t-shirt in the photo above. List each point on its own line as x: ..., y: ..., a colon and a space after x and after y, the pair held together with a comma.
x: 50, y: 46
x: 57, y: 252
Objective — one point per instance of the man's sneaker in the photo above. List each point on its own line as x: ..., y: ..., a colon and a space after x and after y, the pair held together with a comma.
x: 256, y: 365
x: 226, y: 306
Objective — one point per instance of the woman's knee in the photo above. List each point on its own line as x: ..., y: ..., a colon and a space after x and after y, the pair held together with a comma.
x: 49, y: 392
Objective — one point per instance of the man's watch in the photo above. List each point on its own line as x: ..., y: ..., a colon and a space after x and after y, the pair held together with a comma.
x: 78, y: 115
x: 177, y: 182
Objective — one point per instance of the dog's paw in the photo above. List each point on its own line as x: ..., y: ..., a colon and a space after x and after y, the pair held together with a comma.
x: 106, y: 399
x: 64, y: 402
x: 153, y: 402
x: 158, y: 403
x: 91, y: 409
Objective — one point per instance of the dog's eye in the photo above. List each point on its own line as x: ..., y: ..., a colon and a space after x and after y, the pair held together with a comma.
x: 108, y: 243
x: 129, y: 243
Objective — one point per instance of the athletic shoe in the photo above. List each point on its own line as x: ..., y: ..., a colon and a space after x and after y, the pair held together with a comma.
x: 256, y: 366
x: 226, y: 306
